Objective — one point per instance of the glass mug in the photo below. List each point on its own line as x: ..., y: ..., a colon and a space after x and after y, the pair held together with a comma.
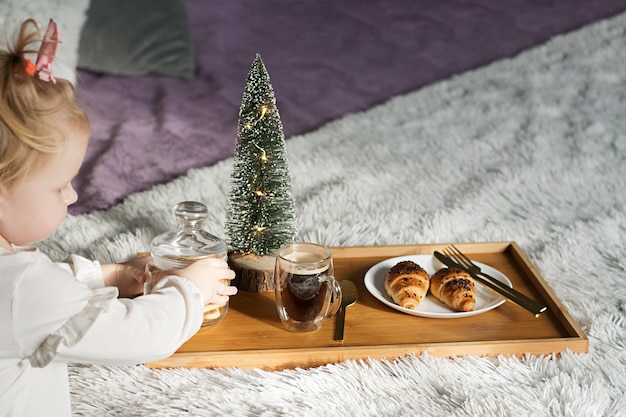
x: 306, y: 291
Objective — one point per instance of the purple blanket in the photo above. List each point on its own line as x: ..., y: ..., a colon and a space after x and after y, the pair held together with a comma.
x: 325, y: 59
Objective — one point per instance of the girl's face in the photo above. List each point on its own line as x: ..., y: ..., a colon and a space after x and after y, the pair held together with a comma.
x: 31, y: 210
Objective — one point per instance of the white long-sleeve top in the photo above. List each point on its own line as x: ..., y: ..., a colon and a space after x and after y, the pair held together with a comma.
x: 55, y: 313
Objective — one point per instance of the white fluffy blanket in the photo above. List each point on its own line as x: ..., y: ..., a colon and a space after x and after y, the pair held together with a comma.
x: 531, y: 149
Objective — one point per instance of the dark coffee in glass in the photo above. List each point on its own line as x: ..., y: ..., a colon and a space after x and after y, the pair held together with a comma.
x: 306, y: 291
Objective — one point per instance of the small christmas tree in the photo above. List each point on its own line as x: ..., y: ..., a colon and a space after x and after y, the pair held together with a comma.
x: 261, y: 214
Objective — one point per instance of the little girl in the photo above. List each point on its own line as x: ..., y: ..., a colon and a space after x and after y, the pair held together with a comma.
x: 53, y: 313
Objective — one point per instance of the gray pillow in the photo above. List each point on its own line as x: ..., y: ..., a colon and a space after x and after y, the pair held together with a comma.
x: 137, y: 37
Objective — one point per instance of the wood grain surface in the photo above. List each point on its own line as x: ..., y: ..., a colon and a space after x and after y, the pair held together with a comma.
x: 252, y: 336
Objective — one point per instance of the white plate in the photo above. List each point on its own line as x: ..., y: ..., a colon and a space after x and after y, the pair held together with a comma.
x: 431, y: 307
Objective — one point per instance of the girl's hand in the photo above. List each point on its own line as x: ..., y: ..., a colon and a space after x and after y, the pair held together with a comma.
x: 211, y: 276
x: 129, y: 277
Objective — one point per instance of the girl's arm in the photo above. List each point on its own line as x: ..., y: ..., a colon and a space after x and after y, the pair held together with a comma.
x: 129, y: 277
x: 55, y: 317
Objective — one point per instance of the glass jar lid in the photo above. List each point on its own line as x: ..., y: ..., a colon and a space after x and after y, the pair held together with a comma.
x: 189, y: 241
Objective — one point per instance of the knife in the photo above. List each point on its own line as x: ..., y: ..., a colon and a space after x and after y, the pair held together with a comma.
x: 507, y: 292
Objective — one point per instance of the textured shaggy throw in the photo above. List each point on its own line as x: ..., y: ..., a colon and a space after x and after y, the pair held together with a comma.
x: 531, y: 149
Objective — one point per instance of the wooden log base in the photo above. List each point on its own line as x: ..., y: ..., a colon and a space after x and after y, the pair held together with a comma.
x: 252, y: 273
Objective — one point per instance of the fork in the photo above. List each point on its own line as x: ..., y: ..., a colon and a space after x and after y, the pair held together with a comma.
x: 524, y: 301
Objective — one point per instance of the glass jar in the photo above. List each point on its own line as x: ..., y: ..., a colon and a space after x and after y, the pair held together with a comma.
x: 184, y: 245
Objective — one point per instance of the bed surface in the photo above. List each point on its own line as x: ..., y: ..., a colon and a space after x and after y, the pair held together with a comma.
x: 325, y: 59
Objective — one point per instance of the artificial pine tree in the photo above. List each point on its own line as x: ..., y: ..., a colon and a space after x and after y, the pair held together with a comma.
x: 261, y: 214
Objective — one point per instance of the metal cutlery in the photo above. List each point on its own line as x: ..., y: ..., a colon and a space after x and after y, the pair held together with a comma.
x: 349, y: 295
x: 456, y: 259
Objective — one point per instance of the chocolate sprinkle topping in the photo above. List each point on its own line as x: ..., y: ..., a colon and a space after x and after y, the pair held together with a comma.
x: 406, y: 267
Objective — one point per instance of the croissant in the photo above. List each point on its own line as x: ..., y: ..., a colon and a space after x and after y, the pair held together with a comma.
x: 455, y: 288
x: 407, y: 284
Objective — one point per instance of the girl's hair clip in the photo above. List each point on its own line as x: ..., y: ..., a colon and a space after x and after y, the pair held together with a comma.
x: 30, y: 67
x: 46, y: 54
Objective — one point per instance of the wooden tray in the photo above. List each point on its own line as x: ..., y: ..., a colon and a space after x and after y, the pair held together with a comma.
x: 251, y: 335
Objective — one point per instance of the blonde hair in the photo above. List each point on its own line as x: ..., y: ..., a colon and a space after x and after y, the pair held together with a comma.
x: 35, y: 115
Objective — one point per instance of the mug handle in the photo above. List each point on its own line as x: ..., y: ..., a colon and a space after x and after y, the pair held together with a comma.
x: 334, y: 299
